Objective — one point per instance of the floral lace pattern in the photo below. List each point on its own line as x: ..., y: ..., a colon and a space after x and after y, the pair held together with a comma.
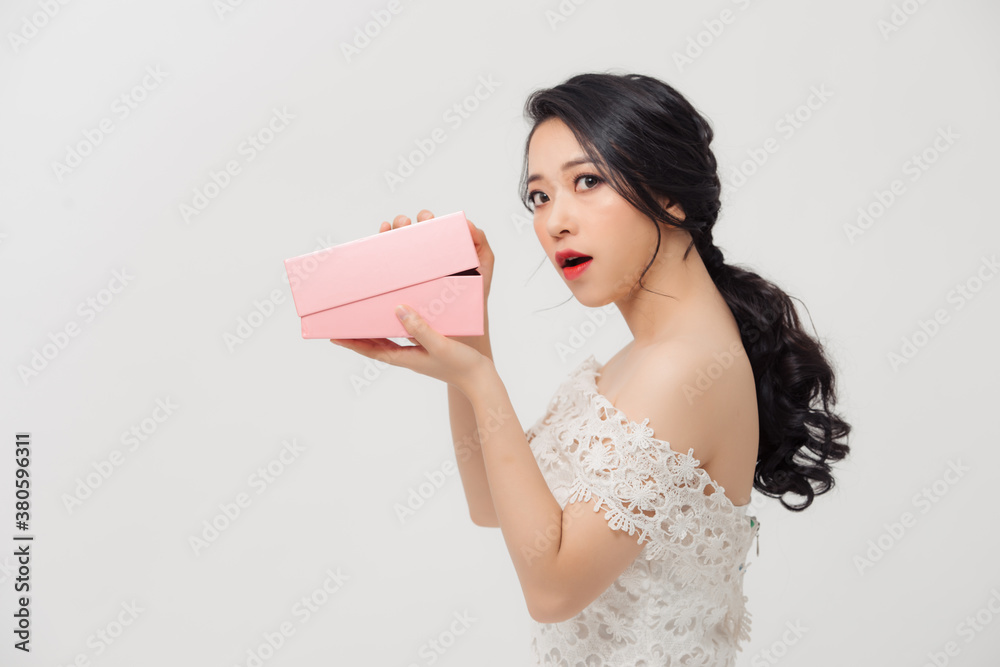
x: 681, y: 601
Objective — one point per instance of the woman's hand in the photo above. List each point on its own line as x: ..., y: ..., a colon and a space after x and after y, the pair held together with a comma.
x: 485, y: 254
x: 433, y: 354
x: 483, y: 250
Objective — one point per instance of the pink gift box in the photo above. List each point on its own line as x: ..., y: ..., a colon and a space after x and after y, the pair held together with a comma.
x: 351, y: 290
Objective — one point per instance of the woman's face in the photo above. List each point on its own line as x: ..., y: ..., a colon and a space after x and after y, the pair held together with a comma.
x: 575, y: 209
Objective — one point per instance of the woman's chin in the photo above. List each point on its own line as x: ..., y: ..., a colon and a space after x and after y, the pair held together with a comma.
x: 590, y: 301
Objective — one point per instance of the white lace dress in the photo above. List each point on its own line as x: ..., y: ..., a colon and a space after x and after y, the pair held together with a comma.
x: 681, y: 601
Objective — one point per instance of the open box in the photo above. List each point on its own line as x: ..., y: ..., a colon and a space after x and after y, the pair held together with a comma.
x: 351, y: 290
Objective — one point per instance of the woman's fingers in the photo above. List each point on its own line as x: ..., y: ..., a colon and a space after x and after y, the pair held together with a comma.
x: 479, y: 237
x: 402, y: 221
x: 397, y: 222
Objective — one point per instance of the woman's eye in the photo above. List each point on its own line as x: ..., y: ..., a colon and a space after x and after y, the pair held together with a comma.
x: 594, y: 181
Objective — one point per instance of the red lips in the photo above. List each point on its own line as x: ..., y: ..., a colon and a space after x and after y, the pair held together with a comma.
x: 563, y: 255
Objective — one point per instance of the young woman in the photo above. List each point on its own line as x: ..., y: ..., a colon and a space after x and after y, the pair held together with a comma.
x: 720, y: 391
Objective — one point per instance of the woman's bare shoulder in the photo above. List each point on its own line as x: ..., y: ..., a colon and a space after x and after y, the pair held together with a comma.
x: 713, y: 381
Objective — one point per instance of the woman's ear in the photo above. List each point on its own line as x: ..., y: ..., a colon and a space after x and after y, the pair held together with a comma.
x: 671, y: 207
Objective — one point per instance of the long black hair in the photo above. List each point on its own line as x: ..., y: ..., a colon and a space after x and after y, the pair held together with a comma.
x: 649, y: 143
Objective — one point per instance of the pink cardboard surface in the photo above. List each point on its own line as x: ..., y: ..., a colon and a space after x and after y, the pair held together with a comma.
x: 350, y: 290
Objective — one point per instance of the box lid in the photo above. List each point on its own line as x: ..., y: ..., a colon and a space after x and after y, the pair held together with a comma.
x: 381, y: 262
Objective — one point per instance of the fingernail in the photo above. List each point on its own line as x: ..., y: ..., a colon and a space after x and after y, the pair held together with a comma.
x: 402, y: 312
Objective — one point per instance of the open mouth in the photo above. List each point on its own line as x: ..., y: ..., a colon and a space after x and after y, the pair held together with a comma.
x: 574, y: 266
x: 573, y: 261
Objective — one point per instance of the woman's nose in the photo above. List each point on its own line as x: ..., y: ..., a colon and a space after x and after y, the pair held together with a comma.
x: 562, y: 219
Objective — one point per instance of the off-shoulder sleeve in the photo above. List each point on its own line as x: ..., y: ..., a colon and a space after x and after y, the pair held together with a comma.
x: 645, y: 486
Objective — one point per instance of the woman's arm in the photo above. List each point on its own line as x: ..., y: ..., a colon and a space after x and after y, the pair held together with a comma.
x: 465, y: 435
x: 561, y: 558
x: 533, y: 524
x: 565, y: 558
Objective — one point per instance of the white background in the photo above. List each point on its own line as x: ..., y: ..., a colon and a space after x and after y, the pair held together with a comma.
x: 321, y: 181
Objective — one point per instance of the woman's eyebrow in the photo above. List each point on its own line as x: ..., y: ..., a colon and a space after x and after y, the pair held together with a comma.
x: 568, y: 165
